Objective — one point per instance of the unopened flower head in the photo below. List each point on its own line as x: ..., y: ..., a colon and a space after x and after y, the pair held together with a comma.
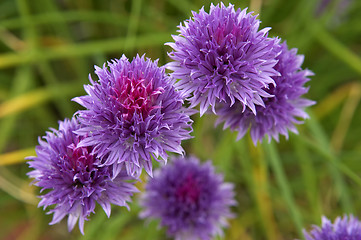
x: 72, y: 178
x: 280, y: 112
x: 222, y: 56
x: 346, y: 228
x: 132, y: 113
x: 189, y: 198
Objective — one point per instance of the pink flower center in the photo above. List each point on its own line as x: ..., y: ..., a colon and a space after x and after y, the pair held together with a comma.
x: 227, y: 33
x: 136, y: 96
x: 80, y: 157
x: 188, y: 190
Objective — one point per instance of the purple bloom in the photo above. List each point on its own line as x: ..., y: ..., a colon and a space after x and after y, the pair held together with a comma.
x: 221, y: 56
x: 346, y: 228
x: 73, y: 179
x: 189, y: 198
x: 133, y: 114
x: 280, y: 112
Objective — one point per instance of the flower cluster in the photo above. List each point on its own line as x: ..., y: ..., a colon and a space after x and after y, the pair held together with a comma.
x: 346, y: 228
x: 134, y: 113
x: 223, y: 61
x: 74, y: 178
x: 191, y: 200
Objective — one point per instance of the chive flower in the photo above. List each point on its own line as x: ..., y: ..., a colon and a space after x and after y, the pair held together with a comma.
x: 222, y: 56
x: 279, y: 113
x: 346, y: 228
x: 133, y: 114
x: 189, y: 199
x: 72, y: 178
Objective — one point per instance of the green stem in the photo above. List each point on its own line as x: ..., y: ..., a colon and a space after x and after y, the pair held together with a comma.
x: 309, y: 177
x: 255, y: 173
x: 133, y: 24
x: 81, y: 49
x: 341, y: 186
x: 276, y: 165
x: 337, y: 48
x: 332, y: 159
x: 34, y: 98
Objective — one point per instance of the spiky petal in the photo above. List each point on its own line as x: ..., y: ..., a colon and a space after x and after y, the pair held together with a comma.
x: 133, y: 113
x: 280, y: 113
x: 222, y: 56
x: 346, y: 228
x: 73, y: 179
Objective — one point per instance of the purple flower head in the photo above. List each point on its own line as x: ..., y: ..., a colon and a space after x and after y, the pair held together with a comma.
x: 346, y: 228
x: 133, y: 113
x: 189, y: 198
x: 221, y: 56
x: 280, y: 112
x: 73, y: 179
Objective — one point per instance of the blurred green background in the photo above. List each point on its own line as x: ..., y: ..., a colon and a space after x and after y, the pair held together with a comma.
x: 48, y: 48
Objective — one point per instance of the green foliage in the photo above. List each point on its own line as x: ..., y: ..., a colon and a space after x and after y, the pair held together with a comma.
x: 48, y: 48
